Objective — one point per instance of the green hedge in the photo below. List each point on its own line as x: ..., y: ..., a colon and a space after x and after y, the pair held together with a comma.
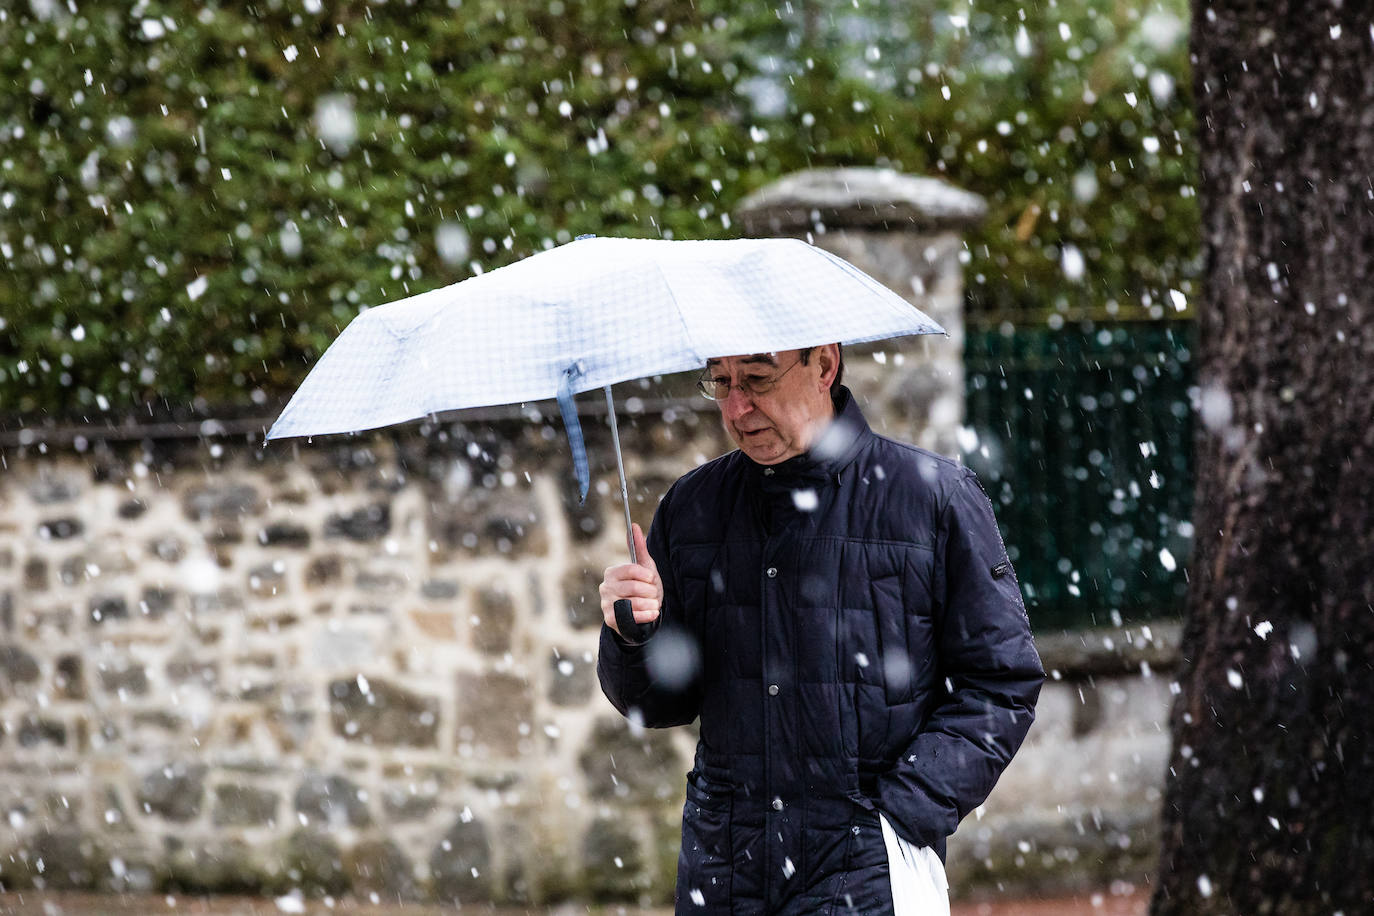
x: 196, y: 197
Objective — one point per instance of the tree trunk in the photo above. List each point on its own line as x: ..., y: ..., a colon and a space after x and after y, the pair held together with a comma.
x: 1270, y: 799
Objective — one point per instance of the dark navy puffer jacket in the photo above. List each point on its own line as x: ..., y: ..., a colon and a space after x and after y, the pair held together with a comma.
x: 849, y: 630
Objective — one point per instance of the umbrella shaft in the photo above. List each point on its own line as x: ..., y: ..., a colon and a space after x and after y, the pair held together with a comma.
x: 620, y: 468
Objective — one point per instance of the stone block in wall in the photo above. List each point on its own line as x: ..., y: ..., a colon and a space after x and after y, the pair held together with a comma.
x: 35, y: 574
x: 582, y: 597
x: 439, y: 590
x: 104, y: 608
x: 113, y: 815
x: 284, y: 534
x: 61, y: 808
x: 34, y: 731
x: 314, y: 863
x: 485, y: 521
x: 224, y: 502
x: 60, y: 529
x: 381, y: 583
x: 461, y: 864
x: 161, y: 720
x: 491, y: 711
x: 333, y: 802
x: 380, y: 713
x: 156, y: 602
x: 440, y: 625
x: 219, y: 865
x: 238, y: 805
x: 123, y: 676
x: 290, y: 720
x: 348, y: 647
x: 167, y: 548
x: 370, y: 523
x: 380, y: 867
x: 131, y: 509
x: 585, y: 520
x: 70, y: 860
x: 17, y: 666
x: 69, y: 681
x: 620, y: 764
x: 573, y: 680
x: 404, y: 804
x: 49, y: 489
x: 613, y: 861
x: 183, y: 667
x: 223, y: 534
x: 41, y: 624
x: 1078, y: 853
x: 267, y: 580
x: 216, y: 602
x: 72, y: 570
x: 493, y: 620
x: 174, y: 791
x: 324, y: 570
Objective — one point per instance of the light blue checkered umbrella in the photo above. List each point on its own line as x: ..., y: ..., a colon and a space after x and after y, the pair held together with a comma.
x: 587, y: 315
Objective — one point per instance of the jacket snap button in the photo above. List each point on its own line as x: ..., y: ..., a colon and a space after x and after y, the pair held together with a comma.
x: 777, y: 804
x: 772, y: 690
x: 772, y: 572
x: 767, y: 472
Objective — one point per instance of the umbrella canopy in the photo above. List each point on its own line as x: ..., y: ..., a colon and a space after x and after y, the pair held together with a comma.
x: 586, y: 315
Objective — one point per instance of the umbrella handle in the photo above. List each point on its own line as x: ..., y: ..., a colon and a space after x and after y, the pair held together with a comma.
x: 631, y: 633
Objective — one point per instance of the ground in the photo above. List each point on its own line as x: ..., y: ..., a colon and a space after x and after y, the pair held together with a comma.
x: 1117, y: 903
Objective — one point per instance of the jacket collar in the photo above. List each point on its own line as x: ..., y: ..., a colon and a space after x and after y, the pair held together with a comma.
x: 834, y: 449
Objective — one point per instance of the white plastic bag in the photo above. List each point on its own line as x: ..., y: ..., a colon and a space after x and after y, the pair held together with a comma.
x: 919, y: 886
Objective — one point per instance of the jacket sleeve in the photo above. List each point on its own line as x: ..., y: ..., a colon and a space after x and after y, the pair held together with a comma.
x: 657, y: 683
x: 990, y: 676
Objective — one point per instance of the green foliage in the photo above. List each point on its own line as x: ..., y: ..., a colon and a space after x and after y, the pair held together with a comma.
x: 195, y: 198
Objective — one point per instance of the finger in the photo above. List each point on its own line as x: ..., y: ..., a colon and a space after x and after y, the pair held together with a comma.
x: 642, y: 548
x: 624, y: 576
x: 641, y: 607
x: 628, y: 588
x: 645, y: 610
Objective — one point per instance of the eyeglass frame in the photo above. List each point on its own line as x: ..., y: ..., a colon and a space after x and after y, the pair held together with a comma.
x: 706, y: 384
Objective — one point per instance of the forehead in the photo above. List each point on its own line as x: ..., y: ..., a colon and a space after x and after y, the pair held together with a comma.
x: 752, y: 359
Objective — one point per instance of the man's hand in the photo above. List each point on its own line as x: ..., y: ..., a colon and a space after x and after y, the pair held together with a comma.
x: 637, y: 581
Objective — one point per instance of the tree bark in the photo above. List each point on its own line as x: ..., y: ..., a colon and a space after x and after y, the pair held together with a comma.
x: 1270, y: 800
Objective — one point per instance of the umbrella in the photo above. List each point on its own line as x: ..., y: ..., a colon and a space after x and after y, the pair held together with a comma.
x: 587, y: 315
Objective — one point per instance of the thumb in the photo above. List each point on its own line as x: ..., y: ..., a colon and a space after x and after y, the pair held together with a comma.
x: 642, y: 549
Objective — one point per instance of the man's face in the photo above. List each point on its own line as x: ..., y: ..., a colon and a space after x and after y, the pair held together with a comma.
x: 783, y: 421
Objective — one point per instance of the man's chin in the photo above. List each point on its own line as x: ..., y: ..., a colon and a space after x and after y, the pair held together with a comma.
x: 760, y: 454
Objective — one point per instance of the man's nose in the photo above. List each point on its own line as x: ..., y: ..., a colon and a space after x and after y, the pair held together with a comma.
x: 736, y: 404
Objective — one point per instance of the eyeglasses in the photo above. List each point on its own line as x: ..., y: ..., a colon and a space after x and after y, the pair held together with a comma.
x: 755, y: 384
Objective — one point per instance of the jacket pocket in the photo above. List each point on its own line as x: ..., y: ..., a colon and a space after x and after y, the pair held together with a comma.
x: 705, y: 866
x: 890, y: 610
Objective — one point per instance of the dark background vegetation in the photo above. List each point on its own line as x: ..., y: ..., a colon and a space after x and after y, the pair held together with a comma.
x: 178, y: 228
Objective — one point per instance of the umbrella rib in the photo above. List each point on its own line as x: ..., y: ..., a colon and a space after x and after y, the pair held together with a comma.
x: 682, y: 319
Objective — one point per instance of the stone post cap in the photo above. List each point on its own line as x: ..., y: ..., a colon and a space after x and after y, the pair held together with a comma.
x: 857, y: 198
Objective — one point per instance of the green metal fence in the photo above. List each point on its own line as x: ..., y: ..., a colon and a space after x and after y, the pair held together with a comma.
x: 1083, y: 441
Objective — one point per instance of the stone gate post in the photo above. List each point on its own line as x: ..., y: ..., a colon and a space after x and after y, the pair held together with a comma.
x: 905, y: 231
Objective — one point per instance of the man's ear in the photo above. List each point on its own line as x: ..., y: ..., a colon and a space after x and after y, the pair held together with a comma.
x: 828, y: 361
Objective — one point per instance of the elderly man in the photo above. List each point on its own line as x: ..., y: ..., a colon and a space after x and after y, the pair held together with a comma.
x: 839, y: 611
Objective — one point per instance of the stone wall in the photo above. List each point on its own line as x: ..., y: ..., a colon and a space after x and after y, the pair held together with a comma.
x: 359, y: 664
x: 368, y: 665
